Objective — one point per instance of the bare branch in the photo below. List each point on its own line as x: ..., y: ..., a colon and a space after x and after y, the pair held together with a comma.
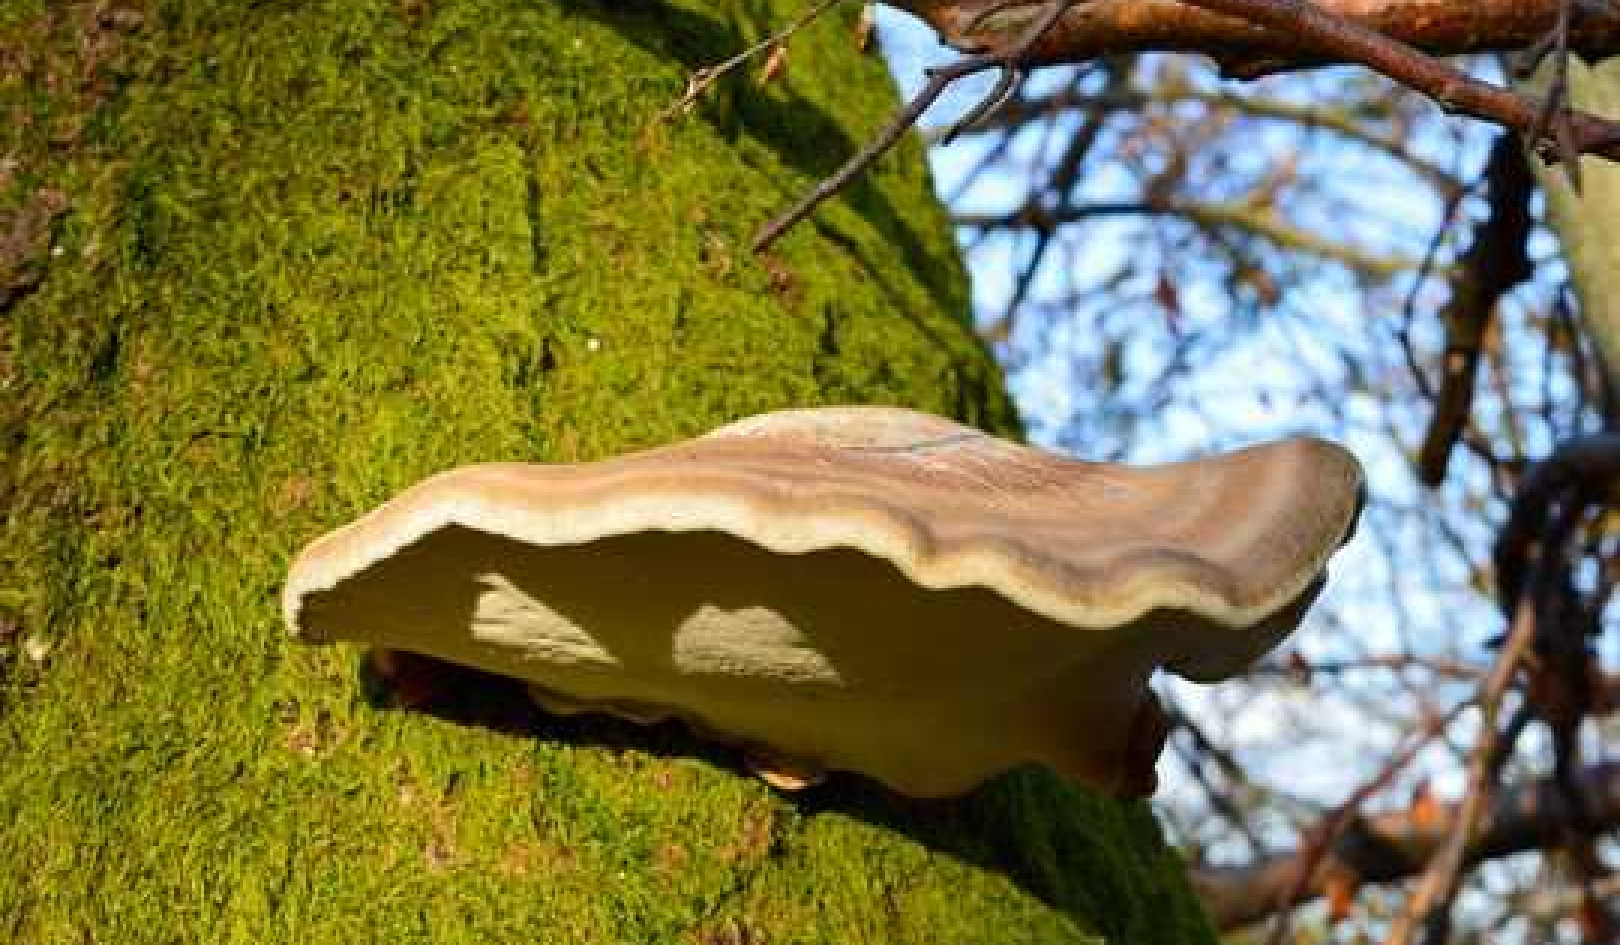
x: 701, y: 80
x: 1429, y: 906
x: 1438, y: 27
x: 1260, y: 221
x: 1591, y: 463
x: 1019, y: 111
x: 1571, y: 133
x: 1254, y: 37
x: 1389, y: 847
x: 1496, y: 261
x: 1341, y: 823
x: 1011, y: 61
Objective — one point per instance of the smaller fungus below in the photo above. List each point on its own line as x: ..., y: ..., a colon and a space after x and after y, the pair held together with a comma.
x: 852, y: 588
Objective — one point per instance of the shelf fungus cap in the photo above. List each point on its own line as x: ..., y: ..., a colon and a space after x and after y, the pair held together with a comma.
x: 851, y: 588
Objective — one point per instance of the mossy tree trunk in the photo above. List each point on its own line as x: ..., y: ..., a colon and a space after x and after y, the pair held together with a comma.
x: 267, y: 264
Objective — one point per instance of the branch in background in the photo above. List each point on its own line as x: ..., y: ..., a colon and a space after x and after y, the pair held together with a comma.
x: 1286, y: 34
x: 1012, y: 37
x: 1549, y: 640
x: 1011, y: 60
x: 1386, y: 848
x: 1021, y: 110
x: 1590, y: 464
x: 1203, y: 747
x: 1438, y: 27
x: 1496, y: 261
x: 1064, y: 181
x: 1243, y: 216
x: 1342, y: 824
x: 1429, y: 907
x: 1556, y: 904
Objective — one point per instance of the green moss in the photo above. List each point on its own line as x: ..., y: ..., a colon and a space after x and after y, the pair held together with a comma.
x: 317, y: 250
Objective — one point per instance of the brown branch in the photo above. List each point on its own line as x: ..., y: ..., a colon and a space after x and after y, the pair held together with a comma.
x: 1565, y: 137
x: 1429, y: 906
x: 1438, y: 27
x: 1589, y: 463
x: 1294, y: 33
x: 1251, y: 37
x: 1013, y: 36
x: 1495, y: 262
x: 1389, y: 847
x: 1342, y: 825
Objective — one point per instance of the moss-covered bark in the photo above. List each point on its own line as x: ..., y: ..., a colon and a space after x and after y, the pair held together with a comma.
x: 277, y: 260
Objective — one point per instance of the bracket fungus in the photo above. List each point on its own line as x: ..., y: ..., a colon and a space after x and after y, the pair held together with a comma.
x: 852, y: 588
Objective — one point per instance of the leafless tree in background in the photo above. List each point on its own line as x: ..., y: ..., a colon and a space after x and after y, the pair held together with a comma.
x: 1171, y: 261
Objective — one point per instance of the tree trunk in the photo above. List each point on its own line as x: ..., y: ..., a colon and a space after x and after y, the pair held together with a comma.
x: 1586, y: 222
x: 265, y: 264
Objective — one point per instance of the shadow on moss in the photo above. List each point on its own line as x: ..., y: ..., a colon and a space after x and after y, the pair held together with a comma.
x: 1056, y: 842
x: 797, y: 131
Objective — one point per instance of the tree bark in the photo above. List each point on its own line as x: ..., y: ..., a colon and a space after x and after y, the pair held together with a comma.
x: 304, y: 254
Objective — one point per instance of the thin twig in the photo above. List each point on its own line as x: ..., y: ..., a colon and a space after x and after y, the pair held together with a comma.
x: 1429, y: 907
x: 1319, y: 842
x: 1009, y: 62
x: 1555, y: 113
x: 1455, y: 91
x: 1382, y: 848
x: 1569, y: 133
x: 701, y: 80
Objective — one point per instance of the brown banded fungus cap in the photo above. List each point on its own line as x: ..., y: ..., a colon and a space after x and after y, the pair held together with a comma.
x: 854, y: 588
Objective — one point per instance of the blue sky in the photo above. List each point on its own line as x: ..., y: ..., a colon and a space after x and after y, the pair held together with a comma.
x: 1267, y: 385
